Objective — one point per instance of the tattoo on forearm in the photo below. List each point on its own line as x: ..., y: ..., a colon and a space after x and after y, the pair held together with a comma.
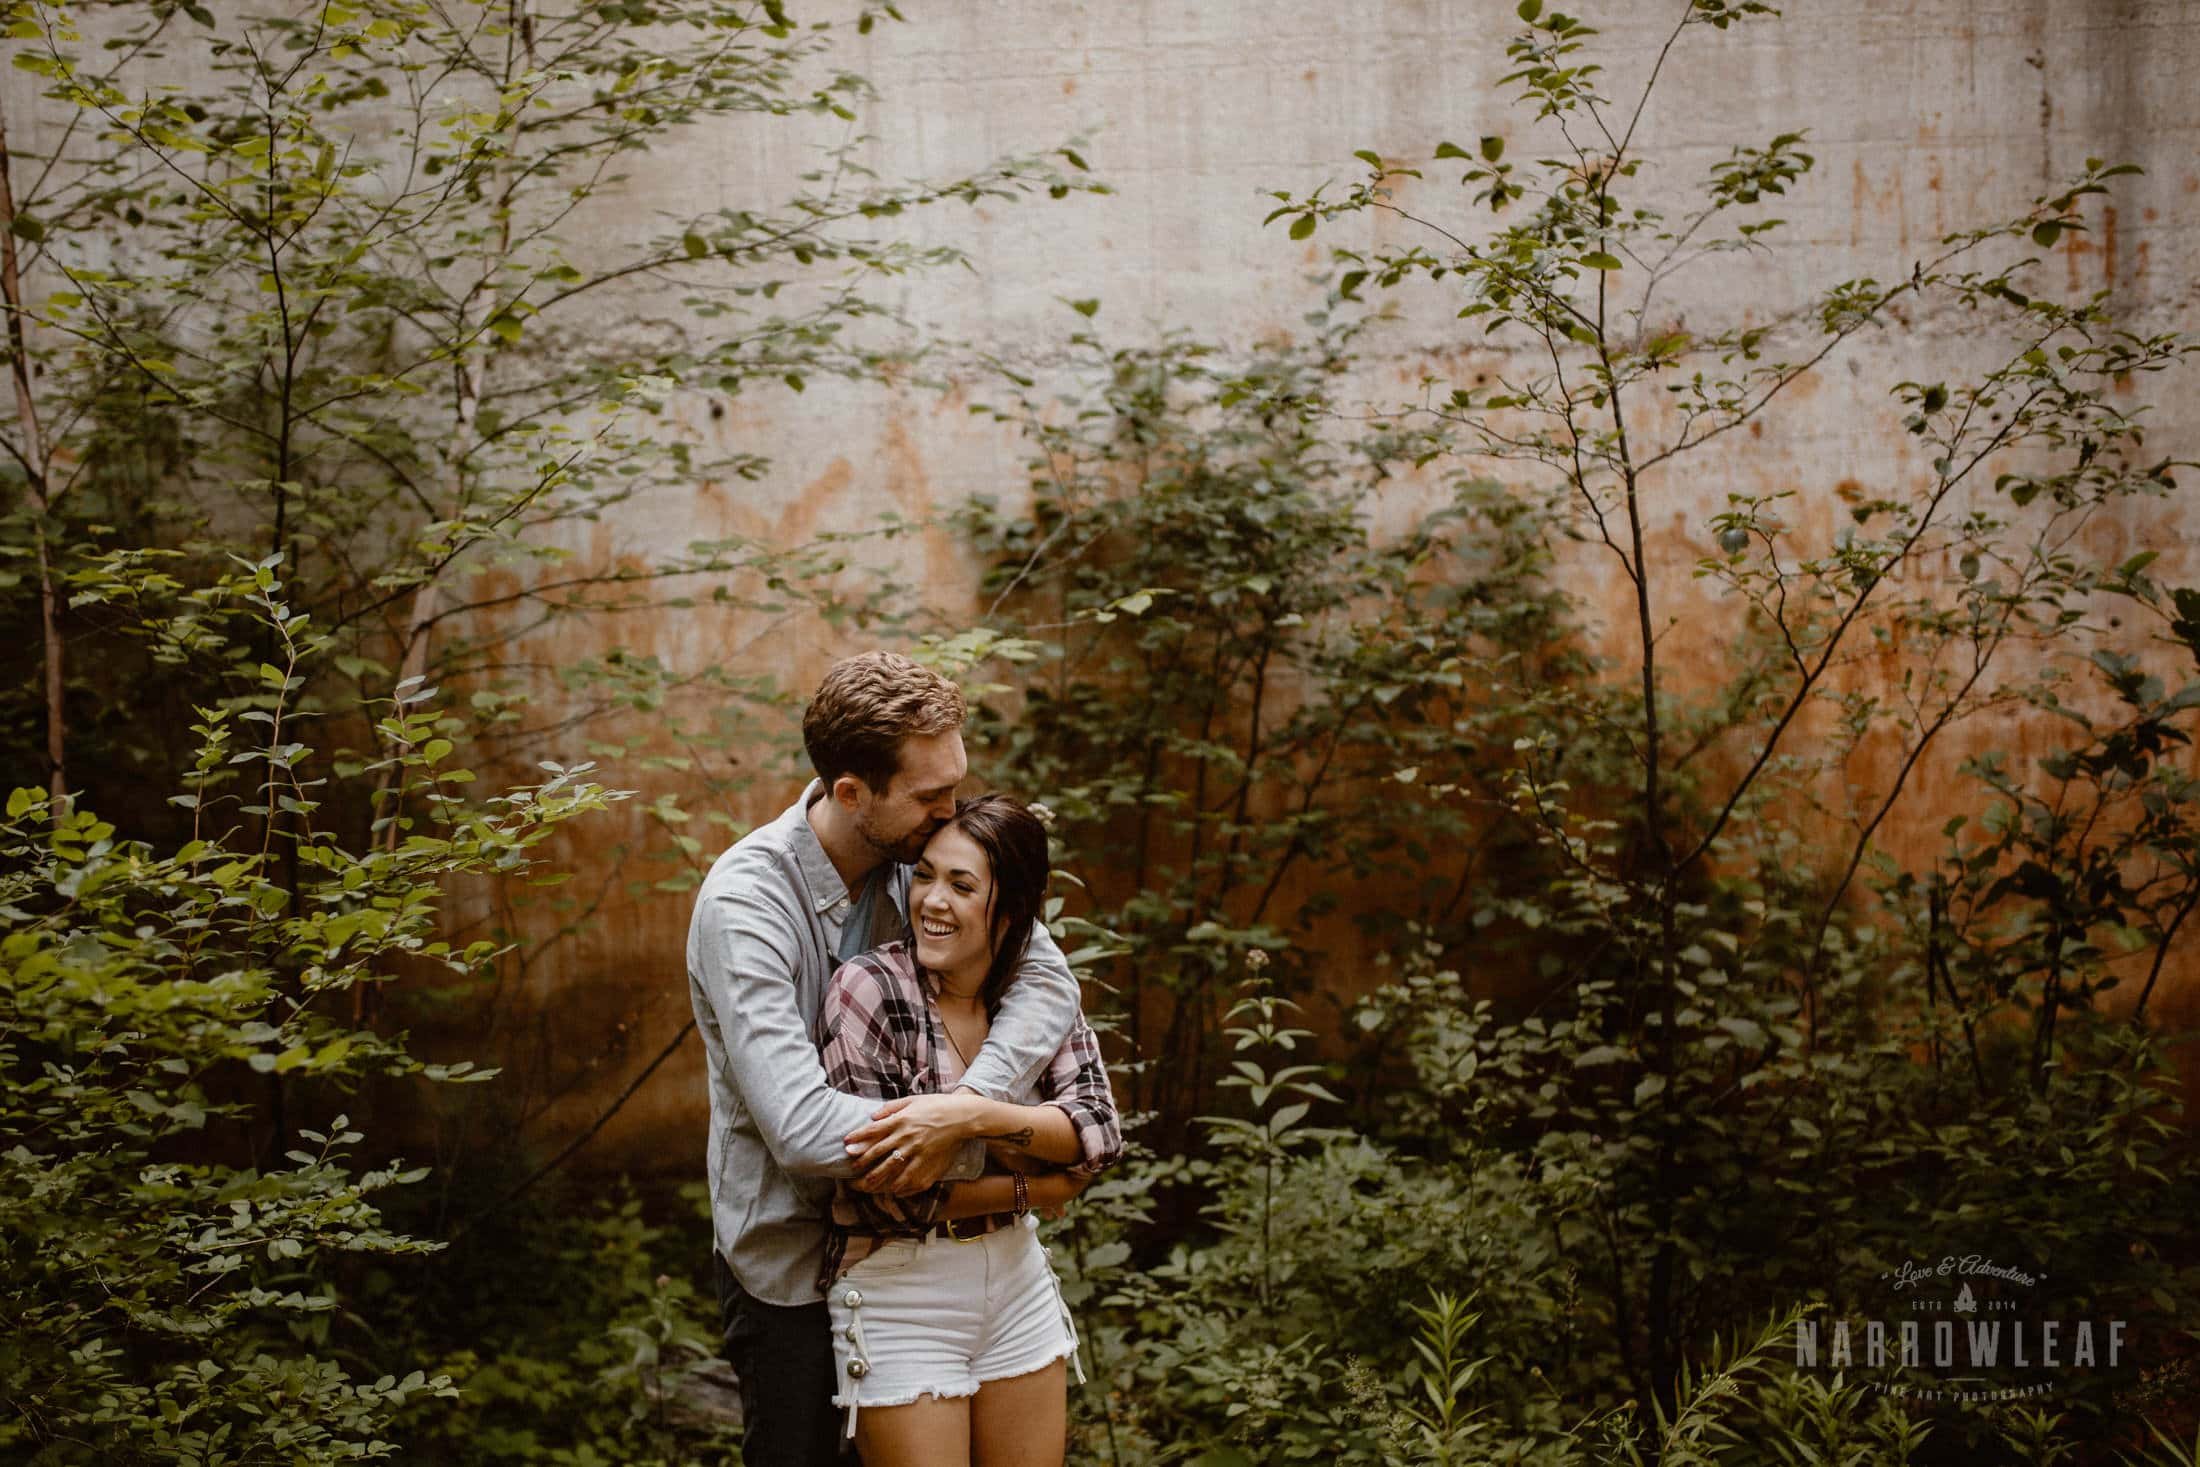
x: 1013, y: 1138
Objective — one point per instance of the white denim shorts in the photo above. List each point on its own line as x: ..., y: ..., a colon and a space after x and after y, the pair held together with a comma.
x: 932, y: 1316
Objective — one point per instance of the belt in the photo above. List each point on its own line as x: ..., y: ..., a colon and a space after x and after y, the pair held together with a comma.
x: 960, y: 1230
x: 970, y: 1229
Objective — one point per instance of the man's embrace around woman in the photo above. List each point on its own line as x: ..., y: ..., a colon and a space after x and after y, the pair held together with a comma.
x: 827, y: 977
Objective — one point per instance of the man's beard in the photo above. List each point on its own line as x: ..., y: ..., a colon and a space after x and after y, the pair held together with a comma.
x: 907, y: 849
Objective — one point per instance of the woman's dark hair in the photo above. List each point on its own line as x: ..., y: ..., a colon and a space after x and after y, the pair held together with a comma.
x: 1015, y: 846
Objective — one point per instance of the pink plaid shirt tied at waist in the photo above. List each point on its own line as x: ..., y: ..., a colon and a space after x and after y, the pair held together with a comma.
x: 882, y: 1040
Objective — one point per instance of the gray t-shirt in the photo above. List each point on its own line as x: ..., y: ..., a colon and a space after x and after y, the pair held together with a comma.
x: 772, y: 921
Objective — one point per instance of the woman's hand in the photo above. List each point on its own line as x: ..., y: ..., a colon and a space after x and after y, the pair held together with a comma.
x: 908, y: 1144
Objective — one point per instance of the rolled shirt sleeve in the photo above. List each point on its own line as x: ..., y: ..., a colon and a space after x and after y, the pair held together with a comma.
x: 1076, y: 1081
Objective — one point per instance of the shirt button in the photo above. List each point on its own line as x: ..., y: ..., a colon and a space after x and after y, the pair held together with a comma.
x: 852, y: 1299
x: 857, y: 1369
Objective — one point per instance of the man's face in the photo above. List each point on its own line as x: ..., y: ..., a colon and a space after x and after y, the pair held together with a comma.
x: 918, y: 799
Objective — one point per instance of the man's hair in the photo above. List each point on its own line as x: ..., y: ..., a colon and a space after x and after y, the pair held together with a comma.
x: 866, y: 706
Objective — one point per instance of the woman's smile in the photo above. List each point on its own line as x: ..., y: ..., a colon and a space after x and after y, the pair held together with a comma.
x: 950, y: 894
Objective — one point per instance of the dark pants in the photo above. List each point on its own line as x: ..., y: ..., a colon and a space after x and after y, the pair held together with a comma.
x: 783, y: 1356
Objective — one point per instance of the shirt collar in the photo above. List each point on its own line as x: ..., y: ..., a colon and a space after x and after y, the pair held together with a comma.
x: 827, y: 890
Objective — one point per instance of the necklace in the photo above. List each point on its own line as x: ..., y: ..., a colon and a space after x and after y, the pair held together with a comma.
x: 957, y: 1045
x: 950, y: 1031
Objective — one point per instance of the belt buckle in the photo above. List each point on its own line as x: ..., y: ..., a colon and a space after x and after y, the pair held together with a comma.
x: 948, y: 1227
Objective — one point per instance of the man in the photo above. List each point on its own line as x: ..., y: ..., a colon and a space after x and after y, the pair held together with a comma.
x: 783, y: 908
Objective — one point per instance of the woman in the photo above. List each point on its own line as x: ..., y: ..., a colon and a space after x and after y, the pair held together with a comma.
x: 948, y: 1322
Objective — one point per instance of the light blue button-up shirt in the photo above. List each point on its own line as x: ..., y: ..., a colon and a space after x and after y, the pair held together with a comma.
x: 770, y: 923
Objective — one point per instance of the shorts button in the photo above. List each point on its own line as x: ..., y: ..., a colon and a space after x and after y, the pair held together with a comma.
x: 857, y: 1369
x: 852, y: 1299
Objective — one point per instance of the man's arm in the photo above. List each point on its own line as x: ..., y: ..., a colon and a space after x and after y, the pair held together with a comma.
x: 1037, y: 1014
x: 745, y: 956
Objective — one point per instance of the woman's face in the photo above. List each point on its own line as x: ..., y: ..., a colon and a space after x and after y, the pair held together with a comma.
x: 950, y: 898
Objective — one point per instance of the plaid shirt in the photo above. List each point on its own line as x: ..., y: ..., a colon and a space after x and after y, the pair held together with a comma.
x: 882, y: 1040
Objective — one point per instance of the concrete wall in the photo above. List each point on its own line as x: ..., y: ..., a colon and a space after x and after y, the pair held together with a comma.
x: 1924, y: 115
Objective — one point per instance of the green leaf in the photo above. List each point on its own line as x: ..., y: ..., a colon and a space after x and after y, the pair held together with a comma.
x: 1222, y: 1457
x: 1529, y: 9
x: 1493, y: 148
x: 2045, y: 233
x: 1085, y: 308
x: 1746, y: 1031
x: 1370, y: 157
x: 1451, y: 150
x: 695, y: 245
x: 1302, y: 227
x: 1599, y: 260
x: 1603, y: 1054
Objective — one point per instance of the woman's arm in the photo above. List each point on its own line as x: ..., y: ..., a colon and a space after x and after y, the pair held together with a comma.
x: 1037, y: 1132
x: 1041, y: 1132
x: 1075, y: 1125
x: 994, y: 1193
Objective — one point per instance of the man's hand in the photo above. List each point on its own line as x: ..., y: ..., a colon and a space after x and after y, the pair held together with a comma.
x: 908, y: 1144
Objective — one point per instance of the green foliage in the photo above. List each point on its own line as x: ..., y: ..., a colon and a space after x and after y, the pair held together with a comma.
x: 574, y: 1336
x: 306, y: 287
x: 348, y: 297
x: 1675, y: 1041
x: 1516, y: 1031
x: 1243, y: 677
x: 171, y: 1300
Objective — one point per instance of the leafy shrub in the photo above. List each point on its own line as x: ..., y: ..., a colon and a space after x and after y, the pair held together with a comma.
x: 575, y: 1332
x: 170, y: 1297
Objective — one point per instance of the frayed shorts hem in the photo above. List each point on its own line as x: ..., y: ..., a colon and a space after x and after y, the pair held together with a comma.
x: 852, y: 1405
